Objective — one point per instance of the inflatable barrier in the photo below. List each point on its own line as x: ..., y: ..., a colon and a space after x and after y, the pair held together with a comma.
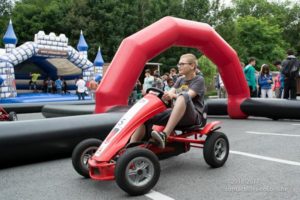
x: 35, y: 140
x: 257, y: 107
x: 215, y: 107
x: 37, y: 107
x: 272, y: 108
x: 50, y: 111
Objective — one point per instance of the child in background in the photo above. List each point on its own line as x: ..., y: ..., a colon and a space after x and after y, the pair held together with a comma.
x: 265, y: 81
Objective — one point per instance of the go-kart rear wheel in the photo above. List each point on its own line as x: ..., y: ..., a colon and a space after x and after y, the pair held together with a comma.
x: 81, y: 154
x: 216, y: 149
x: 12, y: 116
x: 137, y: 171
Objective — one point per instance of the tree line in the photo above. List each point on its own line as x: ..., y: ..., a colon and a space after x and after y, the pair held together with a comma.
x: 256, y: 28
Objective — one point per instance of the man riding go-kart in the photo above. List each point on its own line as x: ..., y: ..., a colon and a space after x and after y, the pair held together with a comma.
x: 188, y: 92
x: 129, y: 155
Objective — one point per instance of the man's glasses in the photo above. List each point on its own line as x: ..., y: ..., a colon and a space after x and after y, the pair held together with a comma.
x: 182, y: 64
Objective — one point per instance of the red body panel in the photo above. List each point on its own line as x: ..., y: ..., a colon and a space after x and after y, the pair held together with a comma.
x: 121, y: 133
x: 117, y: 139
x: 208, y: 127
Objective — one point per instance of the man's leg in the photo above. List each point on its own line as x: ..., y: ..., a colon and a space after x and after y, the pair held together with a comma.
x: 270, y: 93
x: 219, y: 93
x: 277, y: 93
x: 176, y: 115
x: 252, y: 93
x: 138, y: 134
x: 183, y: 114
x: 286, y: 90
x: 263, y: 93
x: 293, y: 89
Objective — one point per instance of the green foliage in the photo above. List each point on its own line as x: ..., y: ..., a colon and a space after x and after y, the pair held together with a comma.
x: 31, y: 16
x: 5, y: 7
x: 256, y: 37
x: 208, y: 69
x: 283, y: 14
x: 5, y: 10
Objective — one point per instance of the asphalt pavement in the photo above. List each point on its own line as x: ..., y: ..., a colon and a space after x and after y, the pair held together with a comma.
x: 264, y: 163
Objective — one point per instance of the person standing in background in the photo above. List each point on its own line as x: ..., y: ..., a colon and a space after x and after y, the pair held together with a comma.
x: 49, y: 84
x: 80, y: 88
x: 278, y: 81
x: 148, y: 81
x: 33, y: 81
x: 158, y: 83
x: 93, y: 87
x: 65, y: 86
x: 265, y: 81
x: 222, y: 93
x: 173, y: 74
x: 249, y: 72
x: 290, y: 70
x: 58, y: 85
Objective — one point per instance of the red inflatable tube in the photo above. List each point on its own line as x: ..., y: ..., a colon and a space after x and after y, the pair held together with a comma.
x: 144, y: 45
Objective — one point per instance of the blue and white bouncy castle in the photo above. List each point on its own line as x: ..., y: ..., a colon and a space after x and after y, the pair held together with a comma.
x: 48, y: 55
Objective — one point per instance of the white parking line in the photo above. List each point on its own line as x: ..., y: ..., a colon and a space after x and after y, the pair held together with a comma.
x: 157, y: 196
x: 296, y: 124
x: 288, y: 162
x: 275, y: 134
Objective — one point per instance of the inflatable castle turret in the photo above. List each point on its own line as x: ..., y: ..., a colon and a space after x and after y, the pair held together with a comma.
x: 10, y: 39
x: 98, y: 65
x: 82, y: 46
x: 8, y: 86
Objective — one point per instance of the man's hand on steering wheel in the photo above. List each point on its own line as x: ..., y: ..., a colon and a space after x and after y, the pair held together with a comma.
x: 167, y: 96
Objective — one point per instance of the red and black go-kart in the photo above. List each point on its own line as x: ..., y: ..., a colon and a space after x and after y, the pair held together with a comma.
x: 4, y: 116
x: 135, y: 166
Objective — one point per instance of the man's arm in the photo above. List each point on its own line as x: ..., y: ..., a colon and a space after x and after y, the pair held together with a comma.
x: 171, y: 94
x: 192, y: 93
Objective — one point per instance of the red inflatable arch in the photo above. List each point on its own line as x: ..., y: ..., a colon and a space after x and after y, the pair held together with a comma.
x: 144, y: 45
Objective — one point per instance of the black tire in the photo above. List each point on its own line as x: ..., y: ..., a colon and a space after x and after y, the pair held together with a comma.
x: 82, y: 152
x: 12, y: 116
x: 216, y: 149
x: 128, y: 161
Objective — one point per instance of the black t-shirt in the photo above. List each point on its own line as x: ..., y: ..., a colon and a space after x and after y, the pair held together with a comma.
x: 197, y: 85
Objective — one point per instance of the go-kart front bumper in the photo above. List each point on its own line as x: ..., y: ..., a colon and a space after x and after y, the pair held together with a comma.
x: 102, y: 170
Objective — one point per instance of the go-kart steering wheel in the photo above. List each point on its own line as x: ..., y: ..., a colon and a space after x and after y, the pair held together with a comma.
x: 158, y: 92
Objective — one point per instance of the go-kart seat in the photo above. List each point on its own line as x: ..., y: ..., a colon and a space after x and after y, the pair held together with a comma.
x: 197, y: 127
x: 189, y: 128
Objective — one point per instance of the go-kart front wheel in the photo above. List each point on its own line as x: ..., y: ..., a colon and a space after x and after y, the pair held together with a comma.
x: 216, y: 149
x: 137, y: 171
x: 12, y: 116
x: 81, y: 154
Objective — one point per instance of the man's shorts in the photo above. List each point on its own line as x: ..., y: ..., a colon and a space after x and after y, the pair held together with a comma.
x: 190, y: 118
